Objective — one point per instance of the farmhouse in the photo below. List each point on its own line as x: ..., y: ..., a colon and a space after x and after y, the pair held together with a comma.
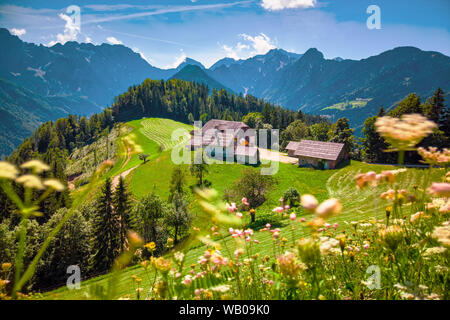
x: 226, y: 140
x: 317, y: 154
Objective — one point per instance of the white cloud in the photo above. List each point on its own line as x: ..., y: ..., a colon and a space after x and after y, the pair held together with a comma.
x: 113, y: 40
x: 178, y: 60
x: 235, y: 52
x: 288, y: 4
x: 18, y: 32
x: 71, y: 31
x: 260, y: 43
x: 88, y: 39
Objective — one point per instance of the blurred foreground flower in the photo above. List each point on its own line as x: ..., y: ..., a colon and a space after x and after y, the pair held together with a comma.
x: 405, y: 132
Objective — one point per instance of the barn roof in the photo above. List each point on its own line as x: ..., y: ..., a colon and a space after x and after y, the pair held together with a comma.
x: 292, y: 145
x: 319, y: 149
x: 224, y: 125
x: 214, y: 132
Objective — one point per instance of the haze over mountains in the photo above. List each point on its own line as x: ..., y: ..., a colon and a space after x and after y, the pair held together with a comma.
x: 39, y: 83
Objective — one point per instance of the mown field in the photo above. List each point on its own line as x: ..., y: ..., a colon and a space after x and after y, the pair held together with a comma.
x: 155, y: 176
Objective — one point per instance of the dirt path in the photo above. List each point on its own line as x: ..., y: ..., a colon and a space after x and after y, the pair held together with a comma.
x: 276, y: 156
x: 115, y: 180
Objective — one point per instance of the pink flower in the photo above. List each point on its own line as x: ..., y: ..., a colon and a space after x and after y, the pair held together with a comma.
x: 231, y: 230
x: 231, y: 208
x: 239, y: 215
x: 247, y: 239
x: 335, y: 225
x: 292, y: 216
x: 327, y: 225
x: 366, y: 246
x: 287, y: 207
x: 207, y: 254
x: 268, y: 225
x: 255, y: 241
x: 187, y: 280
x: 278, y: 210
x: 302, y: 219
x: 245, y: 202
x: 440, y: 189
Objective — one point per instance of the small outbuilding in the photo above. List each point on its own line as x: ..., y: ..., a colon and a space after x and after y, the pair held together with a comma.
x: 317, y: 154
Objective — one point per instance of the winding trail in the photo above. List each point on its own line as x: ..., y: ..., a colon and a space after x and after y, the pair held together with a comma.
x: 115, y: 180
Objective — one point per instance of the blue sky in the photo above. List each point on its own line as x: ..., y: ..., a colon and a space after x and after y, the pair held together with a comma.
x: 164, y: 32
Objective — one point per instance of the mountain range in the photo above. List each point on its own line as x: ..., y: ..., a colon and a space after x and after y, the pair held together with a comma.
x: 40, y: 83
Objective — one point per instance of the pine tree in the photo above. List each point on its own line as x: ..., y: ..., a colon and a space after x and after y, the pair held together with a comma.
x: 177, y: 182
x: 342, y: 133
x: 122, y: 208
x: 179, y: 217
x: 106, y: 230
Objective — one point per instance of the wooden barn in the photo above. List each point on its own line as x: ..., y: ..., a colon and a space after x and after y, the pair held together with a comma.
x: 317, y: 154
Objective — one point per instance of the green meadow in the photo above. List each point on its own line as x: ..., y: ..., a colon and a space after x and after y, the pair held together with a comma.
x: 155, y: 174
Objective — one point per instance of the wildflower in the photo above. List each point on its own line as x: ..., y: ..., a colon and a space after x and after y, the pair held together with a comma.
x: 392, y: 236
x: 231, y: 207
x: 366, y: 179
x: 292, y: 216
x: 245, y: 202
x: 36, y: 166
x: 434, y: 251
x: 316, y: 223
x: 30, y: 181
x: 239, y: 215
x: 342, y: 242
x: 309, y: 202
x: 161, y: 264
x: 388, y: 195
x: 144, y: 264
x: 169, y: 243
x: 179, y: 256
x: 445, y: 208
x: 221, y: 288
x: 278, y: 209
x: 268, y: 225
x: 8, y: 171
x: 433, y: 156
x: 327, y: 244
x: 405, y: 132
x: 6, y: 266
x: 151, y: 246
x: 440, y: 189
x: 287, y: 207
x: 309, y: 252
x: 238, y: 252
x: 54, y: 184
x: 289, y: 265
x: 187, y: 280
x: 442, y: 233
x: 417, y: 215
x: 328, y: 208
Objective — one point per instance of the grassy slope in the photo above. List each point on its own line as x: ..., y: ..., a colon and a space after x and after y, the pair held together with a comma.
x: 155, y: 175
